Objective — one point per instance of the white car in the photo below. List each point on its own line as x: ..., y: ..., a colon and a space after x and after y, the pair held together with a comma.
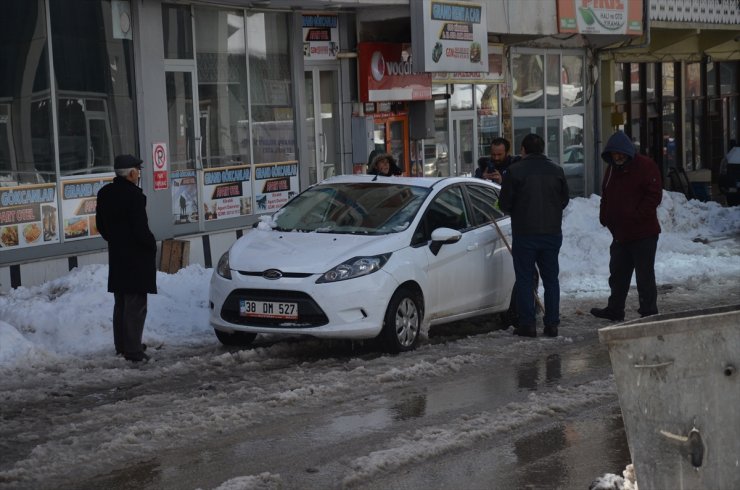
x: 360, y: 256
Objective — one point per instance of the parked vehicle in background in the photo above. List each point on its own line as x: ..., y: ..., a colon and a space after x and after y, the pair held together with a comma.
x: 573, y: 166
x: 362, y: 256
x: 729, y: 176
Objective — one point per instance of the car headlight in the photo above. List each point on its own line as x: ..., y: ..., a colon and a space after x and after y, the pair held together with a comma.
x: 354, y: 267
x: 223, y: 269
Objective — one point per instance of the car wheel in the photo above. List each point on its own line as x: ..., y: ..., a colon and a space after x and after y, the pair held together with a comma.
x: 402, y: 323
x: 235, y: 338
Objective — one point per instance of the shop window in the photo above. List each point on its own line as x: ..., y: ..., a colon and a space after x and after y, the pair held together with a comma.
x: 728, y: 77
x: 177, y: 29
x: 528, y: 81
x: 572, y: 79
x: 489, y: 125
x: 619, y: 96
x: 555, y: 76
x: 524, y: 126
x: 93, y: 69
x: 635, y: 82
x: 650, y: 81
x: 272, y: 130
x: 669, y: 80
x: 711, y: 80
x: 462, y: 98
x: 222, y: 87
x: 26, y: 143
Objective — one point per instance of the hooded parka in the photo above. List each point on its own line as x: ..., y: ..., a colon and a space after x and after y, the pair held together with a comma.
x: 630, y: 193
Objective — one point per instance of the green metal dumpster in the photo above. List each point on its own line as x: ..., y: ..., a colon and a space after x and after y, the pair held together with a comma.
x: 678, y: 382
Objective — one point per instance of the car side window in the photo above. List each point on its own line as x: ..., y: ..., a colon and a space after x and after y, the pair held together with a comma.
x: 447, y: 210
x: 484, y: 201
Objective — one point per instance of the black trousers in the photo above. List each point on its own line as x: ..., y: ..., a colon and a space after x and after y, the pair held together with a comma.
x: 129, y: 314
x: 637, y: 256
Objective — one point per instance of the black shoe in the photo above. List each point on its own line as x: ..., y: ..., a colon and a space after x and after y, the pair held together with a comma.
x: 649, y: 313
x: 550, y: 331
x: 525, y: 331
x: 607, y: 314
x: 137, y: 358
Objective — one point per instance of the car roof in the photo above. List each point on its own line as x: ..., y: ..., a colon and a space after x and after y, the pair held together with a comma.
x: 415, y: 181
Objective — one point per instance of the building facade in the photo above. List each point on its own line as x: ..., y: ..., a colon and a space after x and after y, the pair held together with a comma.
x: 236, y: 106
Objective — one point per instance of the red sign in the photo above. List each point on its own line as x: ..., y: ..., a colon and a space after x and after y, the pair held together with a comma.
x: 387, y: 74
x: 159, y: 158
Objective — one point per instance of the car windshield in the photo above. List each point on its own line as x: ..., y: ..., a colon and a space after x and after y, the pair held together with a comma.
x: 353, y: 208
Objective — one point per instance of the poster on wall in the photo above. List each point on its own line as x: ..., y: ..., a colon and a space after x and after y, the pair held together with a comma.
x: 184, y: 197
x: 320, y: 37
x: 450, y: 36
x: 274, y: 185
x: 591, y: 17
x: 227, y: 192
x: 28, y: 216
x: 79, y: 198
x: 495, y: 73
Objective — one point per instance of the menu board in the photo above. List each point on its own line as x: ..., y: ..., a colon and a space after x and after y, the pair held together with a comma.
x: 28, y: 216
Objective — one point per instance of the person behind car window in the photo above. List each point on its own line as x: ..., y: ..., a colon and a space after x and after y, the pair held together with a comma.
x: 630, y: 194
x: 494, y: 167
x: 535, y: 193
x: 385, y: 165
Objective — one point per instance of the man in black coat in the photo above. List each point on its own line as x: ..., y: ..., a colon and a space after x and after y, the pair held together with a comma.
x: 132, y: 272
x: 535, y: 192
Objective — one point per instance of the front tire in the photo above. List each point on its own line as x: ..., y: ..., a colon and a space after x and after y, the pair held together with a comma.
x: 238, y: 339
x: 402, y: 322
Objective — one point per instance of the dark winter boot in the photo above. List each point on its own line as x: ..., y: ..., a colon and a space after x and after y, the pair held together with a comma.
x: 607, y: 314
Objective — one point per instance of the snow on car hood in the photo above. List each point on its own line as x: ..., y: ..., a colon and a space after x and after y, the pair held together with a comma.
x: 259, y: 250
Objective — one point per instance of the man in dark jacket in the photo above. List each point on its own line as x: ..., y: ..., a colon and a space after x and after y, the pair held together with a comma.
x: 535, y: 192
x: 494, y: 167
x: 630, y: 194
x: 122, y: 221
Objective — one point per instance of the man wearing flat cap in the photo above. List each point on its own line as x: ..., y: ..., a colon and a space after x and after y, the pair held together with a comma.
x: 132, y: 272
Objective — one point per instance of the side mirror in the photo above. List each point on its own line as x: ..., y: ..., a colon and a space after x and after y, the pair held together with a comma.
x: 443, y: 236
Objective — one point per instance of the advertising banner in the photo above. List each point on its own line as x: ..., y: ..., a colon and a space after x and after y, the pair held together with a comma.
x: 184, y: 197
x: 320, y: 37
x: 274, y: 185
x: 450, y: 36
x: 79, y: 198
x: 28, y: 216
x: 495, y: 72
x: 387, y: 73
x: 227, y: 192
x: 600, y: 17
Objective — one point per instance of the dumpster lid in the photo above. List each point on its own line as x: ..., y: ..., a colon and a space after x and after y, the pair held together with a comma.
x: 671, y: 323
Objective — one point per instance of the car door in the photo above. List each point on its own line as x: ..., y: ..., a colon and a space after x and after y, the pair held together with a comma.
x: 496, y: 262
x: 454, y: 272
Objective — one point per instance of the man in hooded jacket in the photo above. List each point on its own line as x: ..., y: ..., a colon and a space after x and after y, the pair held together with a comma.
x: 132, y: 249
x: 630, y: 194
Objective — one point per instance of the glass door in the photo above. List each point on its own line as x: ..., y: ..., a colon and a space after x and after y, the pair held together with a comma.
x: 463, y: 140
x: 184, y: 146
x: 323, y: 123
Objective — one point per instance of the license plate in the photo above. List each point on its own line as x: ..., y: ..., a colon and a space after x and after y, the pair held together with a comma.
x: 268, y: 309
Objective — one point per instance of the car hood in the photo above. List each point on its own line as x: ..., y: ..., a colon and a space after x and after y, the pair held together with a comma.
x: 315, y: 253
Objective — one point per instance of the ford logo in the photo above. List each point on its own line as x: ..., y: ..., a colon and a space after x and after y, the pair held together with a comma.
x: 272, y: 274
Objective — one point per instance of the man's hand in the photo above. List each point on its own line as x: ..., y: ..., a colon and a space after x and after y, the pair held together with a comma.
x: 494, y: 176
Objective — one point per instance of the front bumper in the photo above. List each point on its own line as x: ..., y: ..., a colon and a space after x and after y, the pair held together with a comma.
x: 351, y: 309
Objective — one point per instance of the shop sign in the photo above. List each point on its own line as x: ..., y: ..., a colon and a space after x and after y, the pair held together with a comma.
x: 600, y: 17
x: 159, y: 167
x: 274, y: 185
x: 79, y: 199
x: 184, y: 197
x: 387, y: 73
x: 495, y: 72
x: 28, y: 216
x: 320, y: 37
x: 450, y: 36
x: 227, y: 192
